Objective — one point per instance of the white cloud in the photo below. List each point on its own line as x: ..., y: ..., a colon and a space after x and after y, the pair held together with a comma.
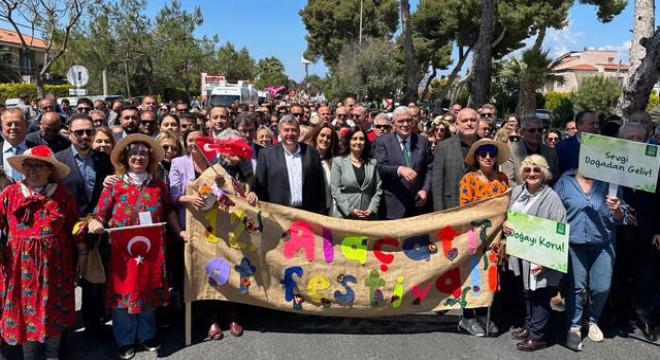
x: 622, y: 50
x: 561, y: 41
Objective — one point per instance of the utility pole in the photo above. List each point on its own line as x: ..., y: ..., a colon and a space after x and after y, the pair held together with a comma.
x: 361, y: 5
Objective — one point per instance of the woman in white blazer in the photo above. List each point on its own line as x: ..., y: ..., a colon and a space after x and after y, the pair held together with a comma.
x: 354, y: 181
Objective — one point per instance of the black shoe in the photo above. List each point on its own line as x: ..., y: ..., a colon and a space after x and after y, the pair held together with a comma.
x: 647, y: 330
x: 520, y: 334
x: 126, y: 352
x: 152, y: 344
x: 531, y: 345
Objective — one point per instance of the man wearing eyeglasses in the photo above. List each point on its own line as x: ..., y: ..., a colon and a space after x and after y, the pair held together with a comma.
x: 404, y: 163
x: 531, y: 130
x: 381, y: 125
x: 84, y: 105
x: 298, y: 113
x: 488, y: 111
x: 49, y: 133
x: 90, y: 171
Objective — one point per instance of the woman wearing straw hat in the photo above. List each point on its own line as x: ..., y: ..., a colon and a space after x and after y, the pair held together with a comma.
x: 138, y: 189
x: 37, y: 277
x: 483, y: 182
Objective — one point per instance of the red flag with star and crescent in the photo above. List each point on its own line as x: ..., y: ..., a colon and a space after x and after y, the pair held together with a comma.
x: 211, y: 147
x: 137, y: 258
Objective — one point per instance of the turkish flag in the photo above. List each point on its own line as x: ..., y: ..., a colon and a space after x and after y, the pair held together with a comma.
x: 137, y: 258
x: 211, y: 147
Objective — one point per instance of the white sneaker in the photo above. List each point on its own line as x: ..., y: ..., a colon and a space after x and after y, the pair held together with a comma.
x: 574, y: 339
x: 594, y: 333
x: 472, y: 326
x: 493, y: 329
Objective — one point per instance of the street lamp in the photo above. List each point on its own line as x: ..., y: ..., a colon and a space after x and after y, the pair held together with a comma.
x: 361, y: 3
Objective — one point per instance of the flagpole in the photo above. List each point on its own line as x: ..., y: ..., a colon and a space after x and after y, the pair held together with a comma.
x: 135, y: 226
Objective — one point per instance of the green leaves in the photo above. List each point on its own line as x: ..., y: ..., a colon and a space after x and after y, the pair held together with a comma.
x: 598, y: 93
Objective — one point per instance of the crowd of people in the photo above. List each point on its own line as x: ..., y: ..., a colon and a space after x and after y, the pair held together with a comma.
x: 108, y: 162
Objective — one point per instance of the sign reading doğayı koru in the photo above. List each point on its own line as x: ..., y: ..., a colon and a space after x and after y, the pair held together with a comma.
x: 538, y: 240
x: 287, y: 259
x: 619, y: 161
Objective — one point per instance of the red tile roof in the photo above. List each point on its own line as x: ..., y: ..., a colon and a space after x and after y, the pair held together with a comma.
x: 580, y: 67
x: 614, y: 67
x: 11, y: 37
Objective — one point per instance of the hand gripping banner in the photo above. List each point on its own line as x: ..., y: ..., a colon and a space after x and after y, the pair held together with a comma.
x: 287, y: 259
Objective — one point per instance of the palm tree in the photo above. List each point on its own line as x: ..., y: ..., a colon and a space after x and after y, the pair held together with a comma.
x: 530, y: 72
x: 269, y: 65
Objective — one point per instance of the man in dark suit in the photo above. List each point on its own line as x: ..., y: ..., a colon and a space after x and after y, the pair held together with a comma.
x: 14, y: 130
x: 49, y: 133
x: 568, y: 150
x: 531, y: 130
x: 289, y: 173
x: 449, y: 163
x: 89, y: 169
x: 404, y: 164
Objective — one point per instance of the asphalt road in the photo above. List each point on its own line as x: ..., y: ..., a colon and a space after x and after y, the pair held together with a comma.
x: 279, y: 335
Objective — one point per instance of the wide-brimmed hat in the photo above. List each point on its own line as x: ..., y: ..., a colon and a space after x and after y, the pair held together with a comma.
x: 503, y: 152
x: 41, y: 153
x: 157, y: 152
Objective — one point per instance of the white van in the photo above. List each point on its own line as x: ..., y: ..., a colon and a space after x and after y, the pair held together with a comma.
x: 228, y: 94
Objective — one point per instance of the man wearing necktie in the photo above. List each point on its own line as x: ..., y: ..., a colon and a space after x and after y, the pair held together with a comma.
x: 14, y: 130
x: 404, y: 163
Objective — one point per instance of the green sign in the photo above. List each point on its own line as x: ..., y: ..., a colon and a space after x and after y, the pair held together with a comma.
x: 538, y: 240
x: 619, y: 161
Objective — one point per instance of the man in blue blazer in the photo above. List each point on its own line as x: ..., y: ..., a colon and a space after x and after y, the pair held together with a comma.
x: 404, y: 163
x: 289, y: 173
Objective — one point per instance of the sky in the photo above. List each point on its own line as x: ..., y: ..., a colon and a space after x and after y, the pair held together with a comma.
x: 274, y: 28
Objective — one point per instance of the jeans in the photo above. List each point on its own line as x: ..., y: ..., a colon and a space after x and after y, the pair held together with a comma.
x: 126, y: 326
x: 592, y: 265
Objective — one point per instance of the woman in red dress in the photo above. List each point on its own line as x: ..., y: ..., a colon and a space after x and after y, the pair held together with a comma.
x: 38, y: 214
x: 137, y: 189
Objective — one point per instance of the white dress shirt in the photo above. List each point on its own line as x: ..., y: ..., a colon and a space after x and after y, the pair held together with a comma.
x: 294, y: 170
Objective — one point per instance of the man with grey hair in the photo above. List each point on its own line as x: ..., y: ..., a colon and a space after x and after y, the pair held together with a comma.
x: 637, y: 258
x: 531, y: 130
x: 404, y: 163
x: 644, y: 118
x: 98, y: 118
x: 486, y: 128
x: 14, y: 129
x: 488, y: 111
x: 382, y: 125
x: 289, y: 173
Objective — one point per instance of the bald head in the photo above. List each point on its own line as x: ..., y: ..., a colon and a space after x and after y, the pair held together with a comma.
x: 50, y: 124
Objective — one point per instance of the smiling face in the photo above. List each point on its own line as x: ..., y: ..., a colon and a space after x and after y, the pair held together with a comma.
x: 102, y: 143
x: 264, y: 138
x: 37, y: 172
x: 403, y: 124
x: 190, y: 142
x: 137, y: 157
x: 171, y: 149
x: 14, y: 127
x: 466, y: 122
x: 289, y: 133
x: 356, y: 143
x: 324, y: 139
x: 533, y: 176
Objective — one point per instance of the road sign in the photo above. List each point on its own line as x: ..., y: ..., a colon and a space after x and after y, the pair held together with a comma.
x: 77, y: 92
x: 77, y: 76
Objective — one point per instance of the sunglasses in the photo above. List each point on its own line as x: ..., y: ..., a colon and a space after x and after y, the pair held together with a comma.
x: 341, y: 115
x: 552, y: 139
x: 484, y: 154
x: 36, y: 167
x: 84, y: 109
x: 81, y: 132
x: 514, y: 138
x: 382, y: 127
x: 487, y: 115
x: 535, y: 130
x: 531, y: 170
x: 297, y: 115
x: 168, y: 148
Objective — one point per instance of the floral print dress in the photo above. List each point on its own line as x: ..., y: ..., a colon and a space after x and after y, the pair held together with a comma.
x: 474, y: 189
x: 37, y: 279
x: 118, y: 207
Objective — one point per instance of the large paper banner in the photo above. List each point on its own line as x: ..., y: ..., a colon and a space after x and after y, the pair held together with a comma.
x: 619, y: 161
x: 538, y: 240
x: 287, y: 259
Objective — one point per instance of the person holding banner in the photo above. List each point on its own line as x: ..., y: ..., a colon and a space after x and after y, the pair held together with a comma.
x: 38, y: 215
x: 535, y: 198
x: 355, y: 182
x: 593, y: 214
x: 484, y: 181
x: 136, y: 285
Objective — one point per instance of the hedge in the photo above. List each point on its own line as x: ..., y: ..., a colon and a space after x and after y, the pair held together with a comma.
x: 9, y: 91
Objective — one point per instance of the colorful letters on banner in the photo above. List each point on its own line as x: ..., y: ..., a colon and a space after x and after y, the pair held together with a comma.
x: 299, y: 261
